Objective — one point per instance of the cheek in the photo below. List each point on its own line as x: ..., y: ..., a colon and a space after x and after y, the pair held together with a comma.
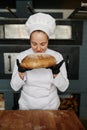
x: 44, y: 48
x: 33, y: 47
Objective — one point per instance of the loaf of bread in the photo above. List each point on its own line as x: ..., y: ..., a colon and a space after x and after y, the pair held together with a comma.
x: 38, y: 60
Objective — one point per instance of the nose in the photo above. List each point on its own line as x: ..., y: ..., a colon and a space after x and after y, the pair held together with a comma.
x: 38, y: 48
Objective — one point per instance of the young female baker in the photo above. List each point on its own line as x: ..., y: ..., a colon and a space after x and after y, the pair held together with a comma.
x: 39, y: 86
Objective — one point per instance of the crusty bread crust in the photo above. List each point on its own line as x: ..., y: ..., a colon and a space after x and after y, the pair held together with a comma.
x: 39, y: 60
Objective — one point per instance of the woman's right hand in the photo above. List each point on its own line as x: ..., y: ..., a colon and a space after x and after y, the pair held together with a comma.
x: 20, y: 69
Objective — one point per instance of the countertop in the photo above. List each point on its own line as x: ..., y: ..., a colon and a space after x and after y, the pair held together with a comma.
x: 39, y: 120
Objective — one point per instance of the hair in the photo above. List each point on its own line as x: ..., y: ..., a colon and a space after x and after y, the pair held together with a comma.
x: 39, y: 31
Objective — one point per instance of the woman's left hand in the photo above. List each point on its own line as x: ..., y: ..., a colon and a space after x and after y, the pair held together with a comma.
x: 55, y: 75
x: 21, y: 75
x: 56, y: 68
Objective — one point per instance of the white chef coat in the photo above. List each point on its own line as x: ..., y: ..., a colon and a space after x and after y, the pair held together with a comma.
x: 39, y: 88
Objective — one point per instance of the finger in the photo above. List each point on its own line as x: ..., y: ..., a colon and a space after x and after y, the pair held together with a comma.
x: 57, y: 66
x: 17, y: 61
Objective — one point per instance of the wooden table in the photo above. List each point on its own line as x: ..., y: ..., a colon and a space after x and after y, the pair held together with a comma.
x: 39, y: 120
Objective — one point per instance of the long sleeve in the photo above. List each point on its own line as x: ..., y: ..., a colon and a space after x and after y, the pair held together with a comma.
x: 61, y: 81
x: 16, y: 81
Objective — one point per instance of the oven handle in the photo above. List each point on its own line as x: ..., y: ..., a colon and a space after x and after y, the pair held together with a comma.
x: 10, y: 68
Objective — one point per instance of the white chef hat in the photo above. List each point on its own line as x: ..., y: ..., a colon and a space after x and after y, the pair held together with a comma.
x: 41, y: 21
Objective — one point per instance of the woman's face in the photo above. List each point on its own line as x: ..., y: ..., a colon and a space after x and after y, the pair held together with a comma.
x: 39, y: 41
